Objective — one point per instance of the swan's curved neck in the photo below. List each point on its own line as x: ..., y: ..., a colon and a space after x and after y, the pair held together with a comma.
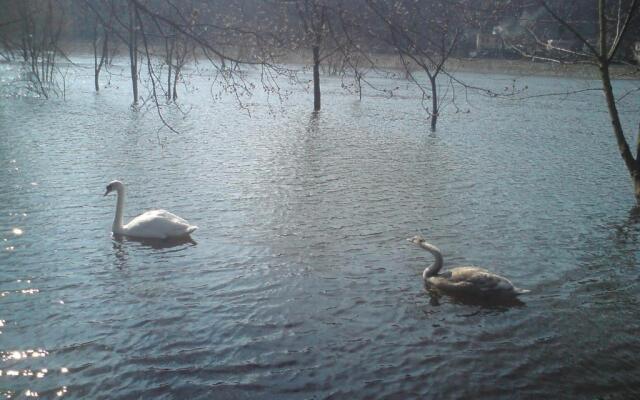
x: 117, y: 221
x: 434, y: 268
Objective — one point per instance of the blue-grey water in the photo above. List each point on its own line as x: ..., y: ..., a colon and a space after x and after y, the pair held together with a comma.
x: 301, y: 284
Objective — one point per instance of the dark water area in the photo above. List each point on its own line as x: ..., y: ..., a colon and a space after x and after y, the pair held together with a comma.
x: 300, y: 284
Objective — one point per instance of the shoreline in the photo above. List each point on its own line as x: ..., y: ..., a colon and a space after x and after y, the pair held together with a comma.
x: 521, y: 67
x: 516, y: 67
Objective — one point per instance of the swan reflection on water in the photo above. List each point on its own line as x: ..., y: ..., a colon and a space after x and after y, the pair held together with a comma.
x: 156, y: 244
x: 499, y: 303
x: 121, y: 251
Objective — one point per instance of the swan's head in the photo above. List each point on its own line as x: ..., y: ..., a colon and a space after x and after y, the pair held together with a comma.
x: 417, y: 239
x: 115, y: 185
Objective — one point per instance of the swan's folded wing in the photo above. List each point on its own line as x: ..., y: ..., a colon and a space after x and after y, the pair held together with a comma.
x: 158, y: 224
x: 480, y: 278
x: 447, y: 285
x: 166, y: 215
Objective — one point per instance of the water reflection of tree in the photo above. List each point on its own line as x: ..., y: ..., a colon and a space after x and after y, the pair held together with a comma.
x: 626, y: 238
x: 609, y: 263
x: 598, y: 319
x: 630, y: 229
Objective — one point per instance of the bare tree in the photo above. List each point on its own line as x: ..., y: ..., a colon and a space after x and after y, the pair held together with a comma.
x: 182, y: 48
x: 169, y: 49
x: 100, y: 38
x: 132, y: 29
x: 177, y: 48
x: 32, y: 33
x: 598, y: 32
x: 330, y: 29
x: 164, y: 33
x: 118, y: 19
x: 314, y: 15
x: 424, y: 34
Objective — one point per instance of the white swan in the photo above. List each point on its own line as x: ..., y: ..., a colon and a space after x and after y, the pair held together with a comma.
x: 155, y: 224
x: 464, y: 280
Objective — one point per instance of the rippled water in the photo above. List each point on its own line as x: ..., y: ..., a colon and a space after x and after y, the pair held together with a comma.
x: 301, y: 284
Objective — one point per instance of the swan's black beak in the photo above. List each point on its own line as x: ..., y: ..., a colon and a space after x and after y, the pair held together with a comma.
x: 107, y: 192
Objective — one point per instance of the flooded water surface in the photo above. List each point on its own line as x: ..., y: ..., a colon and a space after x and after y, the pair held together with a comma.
x: 301, y: 284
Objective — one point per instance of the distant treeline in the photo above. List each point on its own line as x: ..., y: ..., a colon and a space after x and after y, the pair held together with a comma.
x: 487, y: 27
x: 342, y: 37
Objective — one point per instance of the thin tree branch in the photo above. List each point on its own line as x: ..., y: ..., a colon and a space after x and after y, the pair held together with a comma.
x: 620, y: 34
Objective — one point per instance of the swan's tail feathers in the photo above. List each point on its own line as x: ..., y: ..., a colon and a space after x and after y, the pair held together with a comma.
x: 519, y: 291
x: 191, y: 229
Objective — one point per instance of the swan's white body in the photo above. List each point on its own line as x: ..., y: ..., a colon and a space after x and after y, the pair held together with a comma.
x: 155, y: 224
x: 464, y: 280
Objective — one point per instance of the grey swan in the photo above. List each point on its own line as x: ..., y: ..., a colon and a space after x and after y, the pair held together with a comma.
x: 467, y: 280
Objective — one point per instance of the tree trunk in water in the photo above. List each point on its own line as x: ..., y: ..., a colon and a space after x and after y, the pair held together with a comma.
x: 604, y: 61
x: 96, y: 70
x: 133, y: 51
x: 175, y: 83
x: 169, y: 59
x: 103, y: 57
x: 316, y: 78
x: 434, y: 104
x: 623, y: 147
x: 169, y: 80
x: 134, y: 75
